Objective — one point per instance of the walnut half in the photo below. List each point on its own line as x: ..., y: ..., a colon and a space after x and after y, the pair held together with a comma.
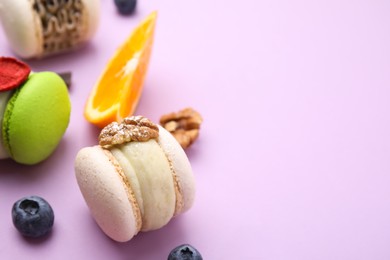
x: 183, y: 125
x: 134, y: 128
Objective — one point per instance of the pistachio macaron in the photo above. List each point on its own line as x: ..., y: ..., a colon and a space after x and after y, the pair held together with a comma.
x: 34, y: 116
x: 37, y: 28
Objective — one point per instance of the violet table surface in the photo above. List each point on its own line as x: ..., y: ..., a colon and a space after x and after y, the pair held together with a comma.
x: 293, y: 157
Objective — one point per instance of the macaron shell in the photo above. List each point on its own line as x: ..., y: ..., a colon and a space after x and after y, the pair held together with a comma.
x: 105, y: 194
x: 22, y: 28
x: 36, y: 118
x: 181, y: 166
x: 93, y: 14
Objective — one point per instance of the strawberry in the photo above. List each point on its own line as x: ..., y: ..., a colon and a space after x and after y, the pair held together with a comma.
x: 13, y: 73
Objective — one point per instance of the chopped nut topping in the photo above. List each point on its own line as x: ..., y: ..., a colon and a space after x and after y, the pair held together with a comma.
x: 183, y: 125
x: 135, y: 128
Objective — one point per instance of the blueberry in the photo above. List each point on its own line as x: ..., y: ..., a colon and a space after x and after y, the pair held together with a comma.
x: 125, y: 6
x: 184, y: 252
x: 32, y: 216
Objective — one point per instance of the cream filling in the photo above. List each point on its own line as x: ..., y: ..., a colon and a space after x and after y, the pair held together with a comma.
x: 131, y: 176
x: 154, y: 185
x: 4, y: 97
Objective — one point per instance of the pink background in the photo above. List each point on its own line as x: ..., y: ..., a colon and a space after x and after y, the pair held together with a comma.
x: 293, y: 157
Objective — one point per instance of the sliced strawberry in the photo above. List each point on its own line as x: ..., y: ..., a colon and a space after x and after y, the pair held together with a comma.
x: 13, y: 73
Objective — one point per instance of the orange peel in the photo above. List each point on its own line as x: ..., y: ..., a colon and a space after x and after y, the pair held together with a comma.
x: 119, y: 88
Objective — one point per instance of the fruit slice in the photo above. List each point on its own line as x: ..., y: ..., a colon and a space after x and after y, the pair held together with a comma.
x: 13, y: 73
x: 119, y: 88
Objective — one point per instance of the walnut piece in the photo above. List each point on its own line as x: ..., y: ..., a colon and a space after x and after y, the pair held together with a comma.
x: 183, y: 125
x: 134, y: 128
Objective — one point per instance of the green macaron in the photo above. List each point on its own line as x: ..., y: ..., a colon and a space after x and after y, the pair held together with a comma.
x: 36, y: 118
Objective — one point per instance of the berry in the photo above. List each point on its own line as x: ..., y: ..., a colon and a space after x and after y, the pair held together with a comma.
x: 184, y: 252
x: 13, y: 73
x: 126, y: 6
x: 32, y: 216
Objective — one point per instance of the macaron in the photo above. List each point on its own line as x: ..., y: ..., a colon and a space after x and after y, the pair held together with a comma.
x: 40, y: 28
x: 137, y: 179
x: 34, y: 117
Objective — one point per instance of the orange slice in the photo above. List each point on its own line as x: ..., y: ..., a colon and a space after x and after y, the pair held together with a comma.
x: 119, y: 88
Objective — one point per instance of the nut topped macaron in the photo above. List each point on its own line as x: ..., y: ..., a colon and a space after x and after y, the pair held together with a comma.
x: 37, y: 28
x: 137, y: 179
x: 34, y: 112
